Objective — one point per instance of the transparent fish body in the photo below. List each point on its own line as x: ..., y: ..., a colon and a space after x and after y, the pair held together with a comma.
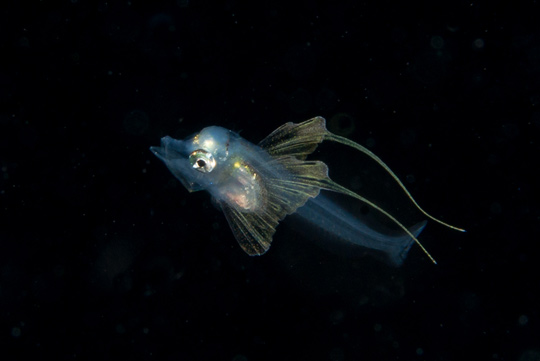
x: 329, y: 220
x: 257, y: 186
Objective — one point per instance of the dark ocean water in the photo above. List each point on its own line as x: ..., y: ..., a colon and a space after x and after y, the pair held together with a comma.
x: 105, y: 256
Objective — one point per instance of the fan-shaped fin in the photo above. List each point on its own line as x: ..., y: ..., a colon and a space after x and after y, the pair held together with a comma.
x: 295, y: 139
x: 284, y: 194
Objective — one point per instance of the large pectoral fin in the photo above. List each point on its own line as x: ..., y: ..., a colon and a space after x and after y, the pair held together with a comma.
x: 254, y: 229
x: 252, y: 233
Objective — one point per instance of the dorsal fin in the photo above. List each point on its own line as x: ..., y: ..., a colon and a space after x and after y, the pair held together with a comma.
x: 295, y: 139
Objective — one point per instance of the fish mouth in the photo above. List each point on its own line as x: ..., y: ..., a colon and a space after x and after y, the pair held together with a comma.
x: 159, y: 152
x: 174, y: 154
x: 170, y: 149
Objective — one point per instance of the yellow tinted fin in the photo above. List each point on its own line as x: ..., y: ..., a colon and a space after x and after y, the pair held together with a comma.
x: 295, y: 139
x: 283, y: 192
x: 291, y: 143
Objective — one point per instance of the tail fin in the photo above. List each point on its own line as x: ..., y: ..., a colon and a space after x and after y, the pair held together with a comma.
x: 403, y: 244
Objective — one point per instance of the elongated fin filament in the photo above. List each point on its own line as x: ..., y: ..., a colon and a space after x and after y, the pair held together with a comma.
x: 350, y: 143
x: 331, y: 185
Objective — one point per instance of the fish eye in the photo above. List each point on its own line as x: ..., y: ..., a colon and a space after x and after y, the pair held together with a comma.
x: 202, y: 160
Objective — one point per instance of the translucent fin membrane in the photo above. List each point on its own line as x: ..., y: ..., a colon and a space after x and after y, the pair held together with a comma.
x: 299, y: 140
